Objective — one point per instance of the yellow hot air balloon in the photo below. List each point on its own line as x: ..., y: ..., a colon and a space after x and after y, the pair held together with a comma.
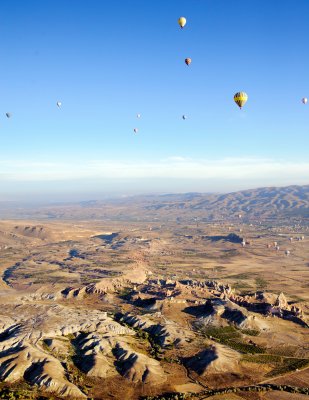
x: 240, y: 99
x: 182, y: 22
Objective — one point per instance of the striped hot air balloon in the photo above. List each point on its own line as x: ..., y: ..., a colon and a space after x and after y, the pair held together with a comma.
x: 240, y: 99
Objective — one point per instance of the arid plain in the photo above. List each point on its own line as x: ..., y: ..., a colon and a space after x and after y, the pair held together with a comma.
x: 120, y: 307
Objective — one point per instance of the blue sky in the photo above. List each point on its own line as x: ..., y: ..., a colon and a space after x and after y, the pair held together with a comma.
x: 106, y: 61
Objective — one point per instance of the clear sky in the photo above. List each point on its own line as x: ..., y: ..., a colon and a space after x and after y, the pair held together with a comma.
x: 107, y: 60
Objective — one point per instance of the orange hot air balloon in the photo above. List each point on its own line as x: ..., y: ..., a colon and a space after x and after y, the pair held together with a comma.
x: 188, y: 61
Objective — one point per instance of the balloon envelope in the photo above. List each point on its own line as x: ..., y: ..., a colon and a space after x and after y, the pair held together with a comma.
x: 241, y: 99
x: 135, y: 130
x: 138, y: 115
x: 182, y: 22
x: 188, y: 61
x: 8, y: 115
x: 305, y: 100
x: 184, y: 117
x: 59, y: 104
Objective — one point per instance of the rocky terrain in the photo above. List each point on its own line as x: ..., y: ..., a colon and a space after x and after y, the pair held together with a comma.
x: 105, y: 310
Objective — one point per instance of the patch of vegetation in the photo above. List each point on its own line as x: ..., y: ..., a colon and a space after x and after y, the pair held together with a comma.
x: 231, y: 337
x: 140, y: 334
x: 250, y: 332
x: 125, y: 293
x: 172, y: 360
x: 22, y: 391
x: 73, y: 363
x: 261, y: 283
x: 262, y: 358
x: 288, y: 365
x: 245, y: 348
x: 156, y: 350
x: 285, y: 351
x: 281, y: 365
x: 221, y: 333
x: 242, y: 286
x: 244, y: 275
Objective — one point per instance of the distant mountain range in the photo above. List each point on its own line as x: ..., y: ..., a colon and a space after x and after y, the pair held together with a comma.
x: 272, y: 203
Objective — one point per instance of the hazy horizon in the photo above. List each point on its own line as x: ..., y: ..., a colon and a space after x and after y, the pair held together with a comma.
x: 79, y: 196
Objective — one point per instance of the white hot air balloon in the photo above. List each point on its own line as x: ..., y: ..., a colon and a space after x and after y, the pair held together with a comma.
x: 138, y: 115
x: 8, y: 115
x: 305, y: 100
x: 184, y: 117
x: 59, y: 104
x: 135, y: 130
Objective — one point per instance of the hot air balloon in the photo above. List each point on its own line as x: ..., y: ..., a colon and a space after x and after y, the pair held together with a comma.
x: 240, y: 99
x: 188, y: 61
x: 184, y: 117
x: 58, y: 104
x: 8, y: 115
x: 305, y: 100
x: 135, y: 130
x: 182, y: 22
x: 138, y: 115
